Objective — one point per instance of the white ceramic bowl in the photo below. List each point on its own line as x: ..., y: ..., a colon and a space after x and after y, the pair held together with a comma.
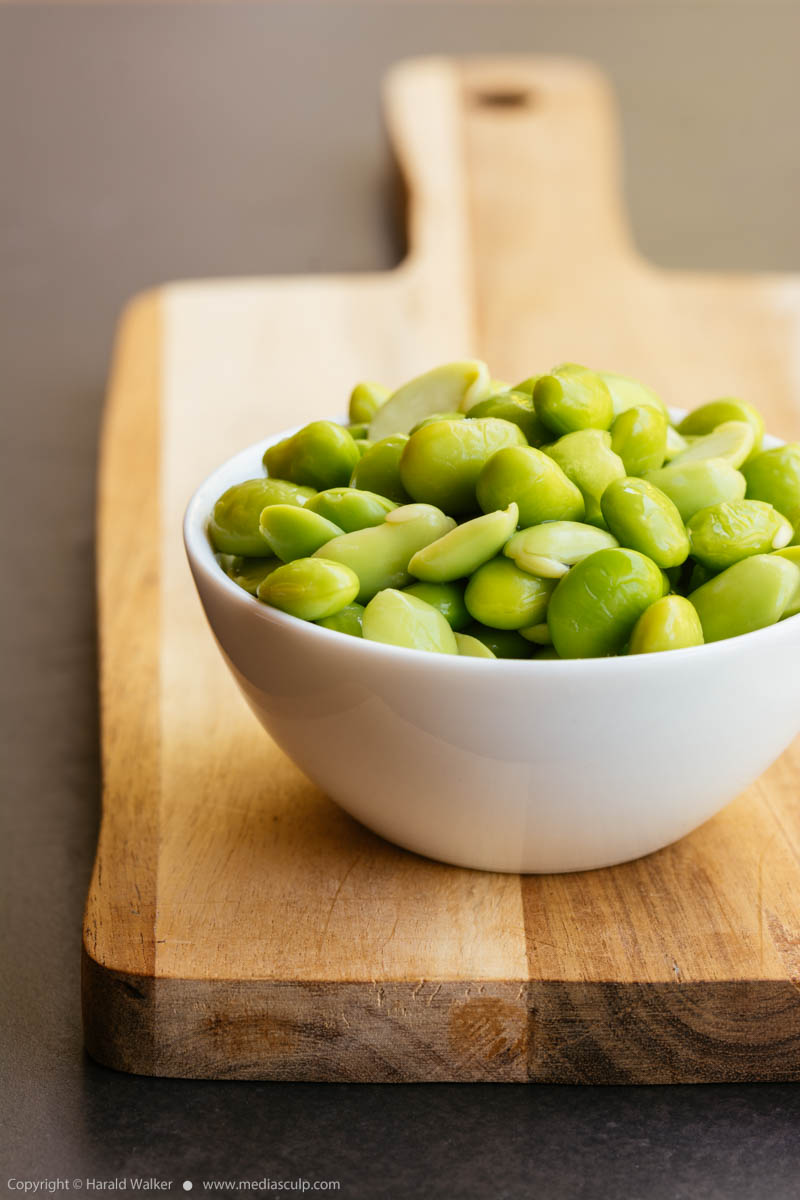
x: 506, y: 765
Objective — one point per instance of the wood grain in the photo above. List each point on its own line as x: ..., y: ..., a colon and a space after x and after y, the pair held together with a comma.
x: 239, y: 924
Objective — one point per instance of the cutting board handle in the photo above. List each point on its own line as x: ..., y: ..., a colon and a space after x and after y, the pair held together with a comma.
x: 512, y: 161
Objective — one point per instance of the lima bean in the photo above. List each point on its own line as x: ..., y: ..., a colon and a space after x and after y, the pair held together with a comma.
x: 400, y: 619
x: 594, y: 608
x: 749, y: 595
x: 725, y: 533
x: 310, y: 588
x: 234, y: 524
x: 465, y: 548
x: 441, y: 463
x: 502, y: 596
x: 529, y: 478
x: 380, y: 554
x: 670, y: 623
x: 572, y: 397
x: 645, y: 519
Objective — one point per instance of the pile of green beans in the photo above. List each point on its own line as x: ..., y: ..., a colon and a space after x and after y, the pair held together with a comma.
x: 564, y: 517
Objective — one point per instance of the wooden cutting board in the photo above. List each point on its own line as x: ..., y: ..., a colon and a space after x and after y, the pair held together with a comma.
x: 238, y: 923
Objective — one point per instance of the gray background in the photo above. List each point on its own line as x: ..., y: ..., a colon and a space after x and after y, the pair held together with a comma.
x: 140, y: 143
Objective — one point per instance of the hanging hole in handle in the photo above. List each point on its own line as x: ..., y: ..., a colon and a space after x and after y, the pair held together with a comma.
x: 505, y: 98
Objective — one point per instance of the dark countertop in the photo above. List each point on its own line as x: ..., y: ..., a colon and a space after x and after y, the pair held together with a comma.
x: 147, y: 142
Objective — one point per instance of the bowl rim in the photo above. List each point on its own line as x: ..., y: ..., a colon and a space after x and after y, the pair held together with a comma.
x: 201, y: 556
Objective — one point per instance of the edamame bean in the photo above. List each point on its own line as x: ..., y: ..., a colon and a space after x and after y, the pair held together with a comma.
x: 749, y: 595
x: 733, y: 440
x: 709, y: 417
x: 247, y: 572
x: 533, y: 481
x: 774, y: 476
x: 629, y: 393
x: 645, y: 519
x: 351, y: 508
x: 725, y: 533
x: 586, y: 457
x: 503, y: 643
x: 551, y: 549
x: 348, y: 620
x: 441, y: 463
x: 516, y: 407
x: 465, y: 548
x: 670, y: 623
x: 310, y: 588
x: 470, y: 647
x: 594, y: 608
x: 380, y: 555
x: 456, y: 385
x: 695, y: 485
x: 234, y: 524
x: 447, y: 597
x: 639, y: 437
x: 365, y: 400
x: 400, y: 619
x: 572, y: 397
x: 294, y: 532
x: 379, y: 469
x: 320, y: 455
x: 502, y: 596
